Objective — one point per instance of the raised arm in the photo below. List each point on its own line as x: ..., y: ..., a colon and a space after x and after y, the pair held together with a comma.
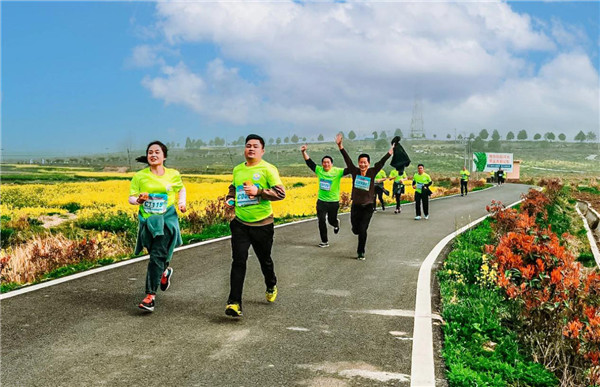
x: 311, y: 164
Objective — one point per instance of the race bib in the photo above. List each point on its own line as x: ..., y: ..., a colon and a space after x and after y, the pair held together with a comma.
x: 325, y: 185
x: 420, y: 185
x: 242, y: 199
x: 156, y: 204
x: 362, y: 182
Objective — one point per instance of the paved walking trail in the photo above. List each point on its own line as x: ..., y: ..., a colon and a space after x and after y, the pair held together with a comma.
x: 337, y: 321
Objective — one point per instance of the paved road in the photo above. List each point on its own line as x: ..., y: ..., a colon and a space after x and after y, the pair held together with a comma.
x: 337, y: 321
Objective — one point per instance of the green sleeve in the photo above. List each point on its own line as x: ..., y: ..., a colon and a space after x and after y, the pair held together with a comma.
x: 134, y: 187
x: 273, y: 178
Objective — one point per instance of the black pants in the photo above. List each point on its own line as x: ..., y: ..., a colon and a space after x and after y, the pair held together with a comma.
x: 421, y: 197
x: 463, y: 187
x: 157, y: 263
x: 327, y: 212
x: 378, y: 194
x: 261, y: 240
x: 360, y: 217
x: 500, y: 180
x: 398, y: 191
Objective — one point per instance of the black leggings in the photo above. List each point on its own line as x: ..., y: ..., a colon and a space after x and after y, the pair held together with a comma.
x: 463, y: 187
x: 378, y: 194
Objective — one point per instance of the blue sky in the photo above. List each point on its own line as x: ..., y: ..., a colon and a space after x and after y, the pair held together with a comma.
x: 84, y: 77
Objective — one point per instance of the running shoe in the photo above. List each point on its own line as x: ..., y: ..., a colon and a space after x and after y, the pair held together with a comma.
x: 271, y: 294
x: 361, y: 256
x: 426, y: 217
x: 417, y: 217
x: 324, y: 244
x: 147, y: 303
x: 233, y: 310
x: 396, y: 211
x: 337, y: 229
x: 165, y: 280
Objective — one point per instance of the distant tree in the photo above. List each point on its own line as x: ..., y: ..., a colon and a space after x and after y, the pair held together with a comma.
x: 381, y: 144
x: 295, y: 139
x: 374, y: 135
x: 478, y: 144
x: 471, y: 136
x: 286, y: 140
x: 178, y: 146
x: 278, y: 141
x: 434, y: 135
x: 271, y: 141
x: 320, y: 138
x: 591, y: 136
x: 510, y: 136
x: 522, y: 135
x: 304, y: 139
x: 383, y: 134
x: 448, y: 136
x: 562, y: 137
x: 398, y: 132
x: 460, y: 137
x: 494, y: 145
x: 351, y: 135
x: 495, y: 135
x: 537, y: 136
x: 484, y: 134
x: 580, y: 136
x: 549, y: 136
x: 188, y: 143
x: 211, y: 142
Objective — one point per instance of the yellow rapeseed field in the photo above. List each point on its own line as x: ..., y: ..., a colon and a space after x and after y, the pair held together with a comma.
x: 110, y: 197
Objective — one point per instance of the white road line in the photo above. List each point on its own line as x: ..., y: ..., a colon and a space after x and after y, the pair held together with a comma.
x: 590, y: 235
x: 423, y: 363
x: 57, y: 281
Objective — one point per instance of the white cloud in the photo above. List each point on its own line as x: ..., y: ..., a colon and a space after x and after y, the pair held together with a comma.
x: 332, y: 65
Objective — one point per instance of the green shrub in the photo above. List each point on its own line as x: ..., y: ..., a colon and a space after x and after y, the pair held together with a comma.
x: 122, y: 222
x: 72, y: 207
x: 298, y: 184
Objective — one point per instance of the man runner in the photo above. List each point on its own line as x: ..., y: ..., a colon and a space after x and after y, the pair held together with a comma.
x: 464, y: 181
x: 421, y: 183
x: 255, y: 185
x: 363, y: 192
x: 398, y: 188
x: 328, y: 202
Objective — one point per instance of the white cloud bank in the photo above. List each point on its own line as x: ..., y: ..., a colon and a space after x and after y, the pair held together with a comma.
x: 360, y: 65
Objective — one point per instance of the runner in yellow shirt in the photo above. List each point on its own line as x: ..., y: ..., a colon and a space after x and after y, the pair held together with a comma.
x: 256, y: 183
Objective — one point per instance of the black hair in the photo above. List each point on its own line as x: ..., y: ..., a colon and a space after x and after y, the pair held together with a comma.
x: 144, y: 159
x: 420, y: 165
x: 364, y: 155
x: 255, y: 137
x: 327, y: 157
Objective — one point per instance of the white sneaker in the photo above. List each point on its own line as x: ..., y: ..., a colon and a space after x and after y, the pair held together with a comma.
x: 323, y: 244
x: 417, y: 218
x: 426, y: 217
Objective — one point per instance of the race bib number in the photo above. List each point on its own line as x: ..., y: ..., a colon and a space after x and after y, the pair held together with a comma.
x: 325, y: 185
x: 420, y: 185
x: 362, y: 182
x: 156, y: 204
x: 242, y: 199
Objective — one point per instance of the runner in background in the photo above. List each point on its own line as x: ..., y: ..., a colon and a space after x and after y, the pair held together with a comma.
x: 328, y: 202
x: 380, y: 178
x: 154, y: 190
x: 255, y: 185
x: 398, y: 188
x: 500, y: 176
x: 464, y: 181
x: 421, y: 183
x: 363, y: 192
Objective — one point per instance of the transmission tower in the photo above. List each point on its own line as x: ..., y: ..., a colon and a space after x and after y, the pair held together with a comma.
x: 416, y: 123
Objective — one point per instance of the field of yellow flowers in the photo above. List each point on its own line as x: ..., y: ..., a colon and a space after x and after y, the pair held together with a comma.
x: 110, y: 197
